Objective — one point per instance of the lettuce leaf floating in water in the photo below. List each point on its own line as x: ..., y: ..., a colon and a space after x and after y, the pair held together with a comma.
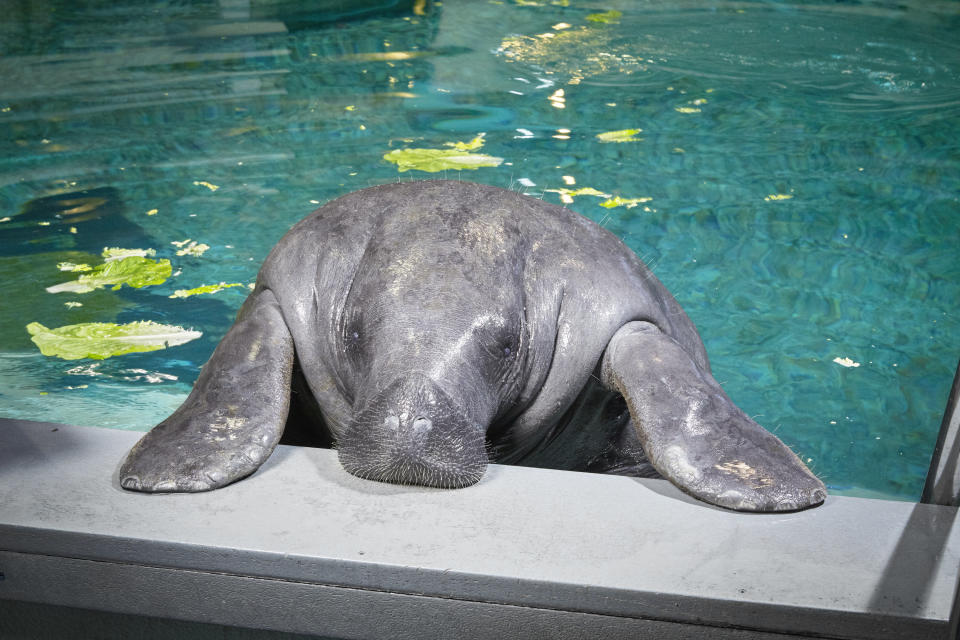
x: 629, y: 203
x: 434, y: 160
x: 100, y: 340
x: 473, y: 145
x: 116, y: 253
x: 192, y: 248
x: 567, y: 195
x: 134, y: 271
x: 207, y: 288
x: 623, y: 135
x: 72, y: 266
x: 458, y: 157
x: 607, y: 17
x: 109, y: 254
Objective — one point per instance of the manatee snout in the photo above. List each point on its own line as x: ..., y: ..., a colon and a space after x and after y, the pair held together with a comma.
x: 413, y: 432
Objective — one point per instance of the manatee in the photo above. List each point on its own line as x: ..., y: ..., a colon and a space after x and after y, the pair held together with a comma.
x: 439, y: 326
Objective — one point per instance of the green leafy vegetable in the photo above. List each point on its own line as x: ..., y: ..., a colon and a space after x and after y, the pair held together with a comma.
x: 115, y: 253
x: 192, y: 248
x: 567, y: 195
x: 99, y: 340
x: 624, y: 135
x: 473, y: 145
x: 72, y: 266
x: 607, y: 17
x: 29, y: 275
x: 433, y: 160
x: 207, y: 288
x: 134, y: 271
x: 629, y: 203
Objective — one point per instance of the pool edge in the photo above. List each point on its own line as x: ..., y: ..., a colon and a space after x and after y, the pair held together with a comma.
x: 56, y: 548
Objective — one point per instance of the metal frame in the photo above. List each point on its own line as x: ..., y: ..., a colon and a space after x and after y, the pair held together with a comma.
x: 943, y: 479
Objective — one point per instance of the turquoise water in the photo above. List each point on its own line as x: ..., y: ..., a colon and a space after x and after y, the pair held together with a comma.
x: 796, y: 171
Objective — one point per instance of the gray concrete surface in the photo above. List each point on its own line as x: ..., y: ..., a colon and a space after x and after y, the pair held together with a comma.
x: 303, y: 547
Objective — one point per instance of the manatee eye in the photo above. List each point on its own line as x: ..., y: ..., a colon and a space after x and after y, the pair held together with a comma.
x: 352, y: 329
x: 352, y: 343
x: 499, y: 339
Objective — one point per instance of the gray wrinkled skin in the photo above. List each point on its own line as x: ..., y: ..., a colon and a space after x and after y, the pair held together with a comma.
x: 444, y: 325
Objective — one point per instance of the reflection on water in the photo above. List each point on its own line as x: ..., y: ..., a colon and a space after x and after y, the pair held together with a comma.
x: 790, y: 171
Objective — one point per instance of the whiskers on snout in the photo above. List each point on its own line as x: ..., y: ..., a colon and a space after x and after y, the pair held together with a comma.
x: 446, y: 458
x: 412, y: 432
x: 414, y: 472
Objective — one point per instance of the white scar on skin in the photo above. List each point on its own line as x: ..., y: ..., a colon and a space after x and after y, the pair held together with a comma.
x: 736, y: 499
x: 221, y: 430
x: 254, y: 350
x: 692, y: 423
x: 402, y: 271
x: 745, y: 472
x: 572, y: 263
x: 486, y: 237
x: 675, y: 459
x: 229, y: 423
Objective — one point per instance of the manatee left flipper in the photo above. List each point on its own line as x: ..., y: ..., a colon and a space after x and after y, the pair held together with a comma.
x: 233, y: 418
x: 694, y: 435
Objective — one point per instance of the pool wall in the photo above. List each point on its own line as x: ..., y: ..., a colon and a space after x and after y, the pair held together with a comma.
x: 303, y: 547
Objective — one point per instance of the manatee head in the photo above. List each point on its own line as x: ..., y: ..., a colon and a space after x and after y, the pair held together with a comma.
x: 434, y: 340
x: 428, y: 392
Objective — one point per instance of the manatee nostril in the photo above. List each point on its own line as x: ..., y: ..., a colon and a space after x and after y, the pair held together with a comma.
x: 412, y: 433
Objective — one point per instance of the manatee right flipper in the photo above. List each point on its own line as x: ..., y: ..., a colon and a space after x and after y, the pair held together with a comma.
x: 694, y: 435
x: 233, y: 418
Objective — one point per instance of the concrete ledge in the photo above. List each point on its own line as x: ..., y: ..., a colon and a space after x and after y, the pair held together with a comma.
x: 301, y: 546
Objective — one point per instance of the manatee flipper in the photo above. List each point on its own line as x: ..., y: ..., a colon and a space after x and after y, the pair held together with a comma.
x: 233, y: 418
x: 694, y: 435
